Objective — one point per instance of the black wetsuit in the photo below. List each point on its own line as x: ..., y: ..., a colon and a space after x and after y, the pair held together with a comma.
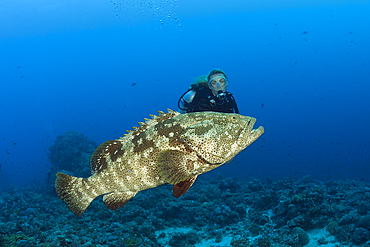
x: 204, y: 100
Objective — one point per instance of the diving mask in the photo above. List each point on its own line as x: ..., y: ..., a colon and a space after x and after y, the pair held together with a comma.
x: 217, y: 84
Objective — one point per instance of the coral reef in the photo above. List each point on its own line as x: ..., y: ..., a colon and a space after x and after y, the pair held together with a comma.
x: 70, y: 152
x: 214, y: 212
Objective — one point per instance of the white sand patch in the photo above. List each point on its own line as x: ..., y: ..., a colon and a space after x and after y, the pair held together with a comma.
x: 317, y: 234
x: 211, y: 242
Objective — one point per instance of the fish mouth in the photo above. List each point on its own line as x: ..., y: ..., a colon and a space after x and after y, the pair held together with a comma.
x: 247, y: 127
x: 248, y: 135
x: 255, y: 134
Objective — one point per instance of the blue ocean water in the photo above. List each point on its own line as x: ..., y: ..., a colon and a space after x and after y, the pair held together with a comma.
x: 99, y: 67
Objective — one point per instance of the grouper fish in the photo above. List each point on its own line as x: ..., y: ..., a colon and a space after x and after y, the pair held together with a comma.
x: 169, y: 148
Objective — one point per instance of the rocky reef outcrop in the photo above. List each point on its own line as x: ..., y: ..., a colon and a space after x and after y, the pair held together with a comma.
x: 71, y: 154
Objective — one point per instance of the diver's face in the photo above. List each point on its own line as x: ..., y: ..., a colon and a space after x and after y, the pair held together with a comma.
x: 217, y: 83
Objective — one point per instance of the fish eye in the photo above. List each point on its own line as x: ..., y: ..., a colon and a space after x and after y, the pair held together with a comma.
x: 233, y: 117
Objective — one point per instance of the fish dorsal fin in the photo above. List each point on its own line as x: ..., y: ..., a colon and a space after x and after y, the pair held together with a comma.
x: 182, y: 187
x: 116, y: 200
x: 115, y: 148
x: 149, y: 122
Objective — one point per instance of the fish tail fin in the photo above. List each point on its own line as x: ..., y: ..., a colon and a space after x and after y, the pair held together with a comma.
x: 74, y: 192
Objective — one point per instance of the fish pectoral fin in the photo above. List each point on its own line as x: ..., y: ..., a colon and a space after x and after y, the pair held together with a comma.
x: 174, y: 166
x: 182, y: 187
x: 116, y: 200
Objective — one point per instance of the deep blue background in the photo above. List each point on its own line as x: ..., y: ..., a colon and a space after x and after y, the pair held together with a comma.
x: 302, y: 69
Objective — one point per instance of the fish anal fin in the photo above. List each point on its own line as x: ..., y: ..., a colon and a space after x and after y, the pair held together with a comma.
x: 182, y: 187
x: 116, y: 200
x: 175, y: 166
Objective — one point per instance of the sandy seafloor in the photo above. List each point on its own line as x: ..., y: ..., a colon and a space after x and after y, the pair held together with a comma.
x: 214, y: 212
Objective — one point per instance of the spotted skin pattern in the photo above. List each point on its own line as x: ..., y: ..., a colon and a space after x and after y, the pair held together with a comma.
x: 169, y: 148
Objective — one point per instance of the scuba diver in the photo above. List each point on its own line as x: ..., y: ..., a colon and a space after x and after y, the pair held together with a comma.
x: 208, y: 93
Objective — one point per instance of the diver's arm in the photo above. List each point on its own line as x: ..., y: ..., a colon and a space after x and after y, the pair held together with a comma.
x: 234, y: 104
x: 185, y: 101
